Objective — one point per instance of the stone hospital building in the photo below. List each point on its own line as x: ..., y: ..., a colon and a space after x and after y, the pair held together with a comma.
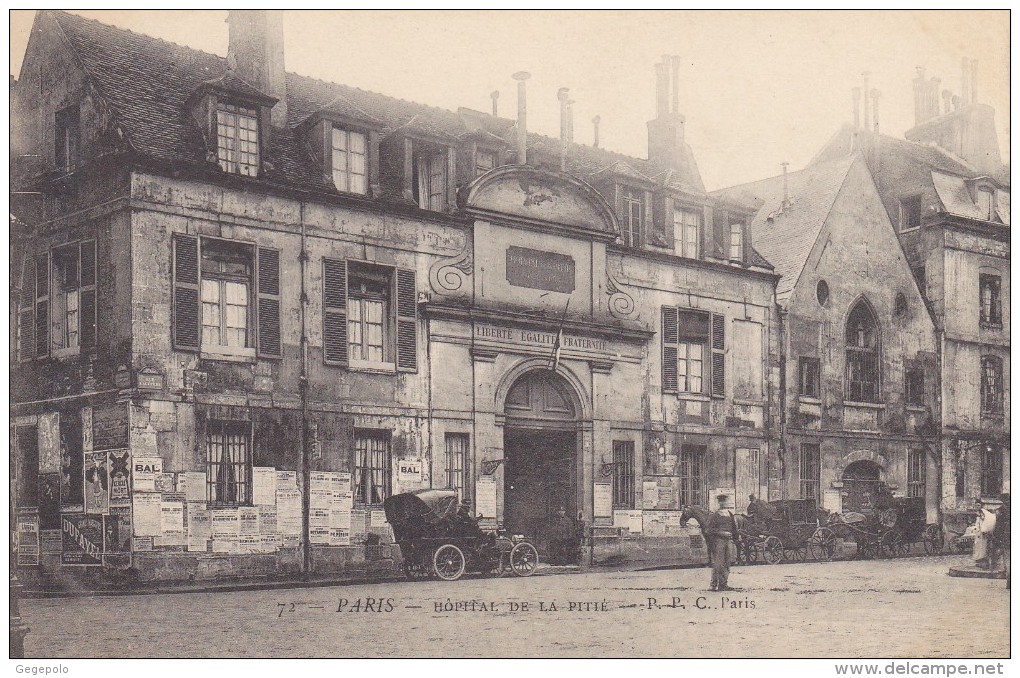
x: 251, y: 305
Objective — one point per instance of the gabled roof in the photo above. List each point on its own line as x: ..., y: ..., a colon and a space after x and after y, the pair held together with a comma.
x: 146, y: 82
x: 957, y: 199
x: 785, y: 235
x: 847, y: 140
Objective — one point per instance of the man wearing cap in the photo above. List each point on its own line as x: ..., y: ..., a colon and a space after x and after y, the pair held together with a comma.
x: 720, y: 533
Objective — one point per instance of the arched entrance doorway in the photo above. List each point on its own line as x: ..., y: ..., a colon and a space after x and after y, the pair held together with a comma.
x: 540, y: 442
x: 861, y: 486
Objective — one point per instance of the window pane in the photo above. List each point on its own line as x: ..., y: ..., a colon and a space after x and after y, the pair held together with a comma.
x: 357, y: 143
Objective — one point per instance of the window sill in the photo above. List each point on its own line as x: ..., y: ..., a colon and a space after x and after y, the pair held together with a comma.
x: 229, y: 354
x: 916, y: 408
x: 701, y: 397
x: 372, y: 366
x: 993, y: 415
x: 910, y: 229
x: 748, y: 403
x: 809, y: 400
x: 991, y: 326
x: 64, y: 353
x: 862, y: 405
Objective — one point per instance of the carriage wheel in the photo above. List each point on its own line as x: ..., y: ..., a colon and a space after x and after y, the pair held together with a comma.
x: 524, y: 559
x: 751, y: 551
x: 800, y: 553
x: 822, y: 544
x: 933, y: 540
x: 892, y: 544
x: 772, y: 550
x: 448, y: 562
x: 503, y: 548
x: 866, y: 547
x: 742, y: 550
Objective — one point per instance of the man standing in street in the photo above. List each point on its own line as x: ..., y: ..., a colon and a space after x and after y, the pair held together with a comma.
x: 720, y: 533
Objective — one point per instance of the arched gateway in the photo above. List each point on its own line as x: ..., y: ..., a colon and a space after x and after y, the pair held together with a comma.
x: 862, y: 481
x: 540, y: 443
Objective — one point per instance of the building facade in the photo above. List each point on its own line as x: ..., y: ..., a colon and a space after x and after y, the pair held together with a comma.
x: 946, y: 191
x: 857, y: 346
x: 252, y: 305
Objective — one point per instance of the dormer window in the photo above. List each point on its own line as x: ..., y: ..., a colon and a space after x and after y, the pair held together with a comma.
x: 632, y: 201
x: 687, y: 233
x: 430, y: 177
x: 986, y: 202
x: 350, y: 166
x: 237, y: 137
x: 910, y: 212
x: 736, y: 241
x: 67, y: 137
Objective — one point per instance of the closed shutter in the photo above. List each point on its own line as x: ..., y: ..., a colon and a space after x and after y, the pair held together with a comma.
x: 718, y: 355
x: 647, y: 230
x: 334, y: 312
x: 670, y: 337
x: 407, y: 321
x: 268, y: 281
x: 661, y: 233
x: 26, y: 311
x: 187, y: 305
x: 721, y: 229
x: 42, y: 305
x: 87, y: 282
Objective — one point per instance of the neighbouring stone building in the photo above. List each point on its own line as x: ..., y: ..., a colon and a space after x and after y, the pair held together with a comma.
x: 946, y: 191
x: 858, y: 351
x: 250, y: 305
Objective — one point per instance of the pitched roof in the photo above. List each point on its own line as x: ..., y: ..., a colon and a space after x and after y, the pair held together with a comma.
x: 847, y: 139
x: 786, y: 235
x: 956, y: 198
x: 146, y: 82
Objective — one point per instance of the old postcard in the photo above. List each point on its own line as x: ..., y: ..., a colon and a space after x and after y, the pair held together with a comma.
x: 511, y: 334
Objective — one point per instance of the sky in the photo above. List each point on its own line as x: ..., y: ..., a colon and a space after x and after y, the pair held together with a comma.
x: 757, y: 87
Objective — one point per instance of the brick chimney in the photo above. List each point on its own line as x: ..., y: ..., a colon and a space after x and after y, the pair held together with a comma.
x: 966, y: 130
x: 256, y: 54
x: 666, y: 131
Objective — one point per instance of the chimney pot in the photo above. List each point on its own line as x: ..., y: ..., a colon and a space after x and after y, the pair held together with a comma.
x: 522, y: 116
x: 661, y: 89
x: 857, y: 107
x: 495, y: 102
x: 595, y: 123
x: 867, y: 101
x: 255, y: 53
x: 786, y: 187
x: 675, y: 84
x: 875, y: 96
x: 947, y: 98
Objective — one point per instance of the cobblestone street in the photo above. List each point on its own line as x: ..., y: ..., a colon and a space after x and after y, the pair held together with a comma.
x: 886, y: 608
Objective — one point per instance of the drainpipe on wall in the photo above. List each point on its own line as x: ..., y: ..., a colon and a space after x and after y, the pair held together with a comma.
x: 306, y: 556
x: 782, y: 398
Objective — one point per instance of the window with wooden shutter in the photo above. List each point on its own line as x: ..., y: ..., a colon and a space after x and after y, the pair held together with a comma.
x: 26, y: 311
x: 718, y: 355
x: 334, y: 311
x: 669, y: 349
x: 407, y: 321
x: 87, y: 280
x: 721, y: 233
x: 186, y: 304
x: 268, y: 283
x: 42, y: 305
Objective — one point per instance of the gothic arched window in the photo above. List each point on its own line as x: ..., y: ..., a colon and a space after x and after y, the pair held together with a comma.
x: 863, y: 355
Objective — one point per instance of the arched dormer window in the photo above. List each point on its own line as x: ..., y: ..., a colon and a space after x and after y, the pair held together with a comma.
x: 863, y: 355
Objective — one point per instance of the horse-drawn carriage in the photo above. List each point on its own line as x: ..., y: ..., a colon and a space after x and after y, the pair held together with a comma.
x: 437, y: 539
x: 784, y: 530
x: 889, y: 529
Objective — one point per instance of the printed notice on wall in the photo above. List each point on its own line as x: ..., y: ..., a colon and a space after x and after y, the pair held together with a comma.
x: 485, y: 497
x: 225, y: 523
x: 144, y: 471
x: 288, y: 512
x: 286, y: 480
x: 247, y: 521
x: 319, y: 480
x: 603, y: 503
x: 263, y: 484
x: 267, y: 519
x: 199, y: 527
x: 148, y: 514
x: 27, y: 536
x: 120, y: 478
x: 194, y: 485
x: 97, y: 483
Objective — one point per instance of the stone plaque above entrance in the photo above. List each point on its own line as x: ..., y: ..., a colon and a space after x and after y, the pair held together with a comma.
x: 539, y: 270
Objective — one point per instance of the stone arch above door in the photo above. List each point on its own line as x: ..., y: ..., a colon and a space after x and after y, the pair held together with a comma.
x: 571, y: 387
